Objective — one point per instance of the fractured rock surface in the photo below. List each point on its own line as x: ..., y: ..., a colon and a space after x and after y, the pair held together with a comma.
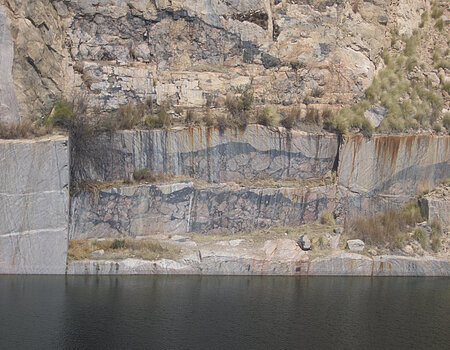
x: 34, y: 206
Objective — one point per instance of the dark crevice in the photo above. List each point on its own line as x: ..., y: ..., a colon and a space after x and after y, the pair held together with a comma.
x: 336, y: 159
x: 32, y: 64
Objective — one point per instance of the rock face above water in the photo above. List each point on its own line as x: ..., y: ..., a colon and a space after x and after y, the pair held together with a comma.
x: 214, y: 155
x: 388, y: 171
x: 34, y: 206
x: 241, y: 263
x: 180, y: 208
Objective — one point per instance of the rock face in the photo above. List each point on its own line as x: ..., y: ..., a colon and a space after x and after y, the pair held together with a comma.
x: 179, y: 208
x: 34, y: 203
x: 40, y: 61
x: 194, y: 52
x: 9, y: 110
x: 214, y: 155
x: 132, y: 211
x: 388, y: 171
x: 297, y: 264
x: 436, y: 205
x: 355, y: 244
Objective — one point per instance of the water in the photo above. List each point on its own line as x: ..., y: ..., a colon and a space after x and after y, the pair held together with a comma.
x: 155, y: 312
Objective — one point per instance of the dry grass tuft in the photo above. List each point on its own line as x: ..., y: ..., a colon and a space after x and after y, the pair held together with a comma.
x: 117, y: 249
x: 387, y: 227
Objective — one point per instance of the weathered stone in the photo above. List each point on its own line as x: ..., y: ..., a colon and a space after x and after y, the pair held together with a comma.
x: 9, y: 110
x: 97, y: 254
x: 304, y: 242
x: 179, y: 208
x: 214, y: 155
x: 132, y: 211
x: 388, y: 171
x: 34, y: 202
x: 337, y: 230
x: 436, y: 206
x: 355, y: 244
x: 376, y: 115
x: 334, y: 241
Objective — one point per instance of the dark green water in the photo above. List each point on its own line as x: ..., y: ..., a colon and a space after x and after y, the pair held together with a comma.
x: 223, y: 313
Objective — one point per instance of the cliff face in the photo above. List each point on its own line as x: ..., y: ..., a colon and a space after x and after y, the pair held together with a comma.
x: 211, y: 154
x: 193, y: 53
x: 34, y: 206
x: 388, y: 171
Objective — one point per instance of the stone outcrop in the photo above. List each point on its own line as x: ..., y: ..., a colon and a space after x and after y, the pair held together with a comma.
x: 436, y: 205
x: 34, y: 206
x: 229, y: 263
x: 132, y: 211
x: 388, y: 171
x: 213, y: 155
x: 193, y: 53
x: 179, y: 208
x: 40, y: 62
x: 9, y: 110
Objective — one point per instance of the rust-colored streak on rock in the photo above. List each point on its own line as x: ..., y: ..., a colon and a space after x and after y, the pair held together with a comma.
x: 191, y: 138
x: 410, y: 140
x: 356, y: 139
x: 386, y: 149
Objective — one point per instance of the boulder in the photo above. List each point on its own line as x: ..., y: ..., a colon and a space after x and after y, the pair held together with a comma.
x: 355, y: 244
x: 98, y: 253
x: 304, y: 242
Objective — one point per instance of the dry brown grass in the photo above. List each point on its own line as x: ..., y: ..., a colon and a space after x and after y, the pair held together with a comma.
x: 313, y: 230
x: 385, y: 228
x: 267, y: 181
x: 23, y: 130
x: 117, y: 249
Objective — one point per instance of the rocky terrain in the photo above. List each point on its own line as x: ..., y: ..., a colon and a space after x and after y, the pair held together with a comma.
x: 196, y: 129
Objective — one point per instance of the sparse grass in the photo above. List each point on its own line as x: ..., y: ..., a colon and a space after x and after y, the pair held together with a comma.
x: 421, y: 236
x: 326, y: 218
x: 269, y: 116
x: 385, y: 227
x: 117, y: 249
x: 267, y: 181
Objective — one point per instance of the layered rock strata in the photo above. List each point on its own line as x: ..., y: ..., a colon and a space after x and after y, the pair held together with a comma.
x: 34, y: 206
x: 212, y: 154
x: 180, y: 208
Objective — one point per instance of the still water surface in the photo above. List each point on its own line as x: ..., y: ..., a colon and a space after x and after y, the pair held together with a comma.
x: 155, y: 312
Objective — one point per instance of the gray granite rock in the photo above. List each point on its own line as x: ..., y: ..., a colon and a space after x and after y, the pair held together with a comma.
x: 241, y: 263
x: 178, y: 208
x: 304, y: 242
x: 9, y: 111
x: 355, y: 244
x: 388, y: 171
x: 34, y: 202
x: 214, y: 155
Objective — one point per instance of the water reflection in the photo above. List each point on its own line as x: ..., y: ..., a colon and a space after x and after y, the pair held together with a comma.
x: 155, y: 312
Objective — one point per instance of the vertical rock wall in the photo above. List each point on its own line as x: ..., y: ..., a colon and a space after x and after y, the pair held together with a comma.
x: 9, y: 110
x: 387, y: 171
x: 213, y: 155
x: 34, y: 203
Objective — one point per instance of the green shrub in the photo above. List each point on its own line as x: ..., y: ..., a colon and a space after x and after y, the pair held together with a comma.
x: 421, y: 236
x: 437, y: 127
x: 291, y: 118
x: 436, y: 227
x: 446, y: 121
x: 118, y: 243
x: 317, y: 92
x: 399, y: 241
x: 326, y: 218
x: 439, y: 24
x: 435, y: 243
x: 269, y: 116
x: 336, y: 123
x: 191, y: 118
x: 436, y: 12
x: 313, y: 117
x: 63, y: 114
x: 141, y: 174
